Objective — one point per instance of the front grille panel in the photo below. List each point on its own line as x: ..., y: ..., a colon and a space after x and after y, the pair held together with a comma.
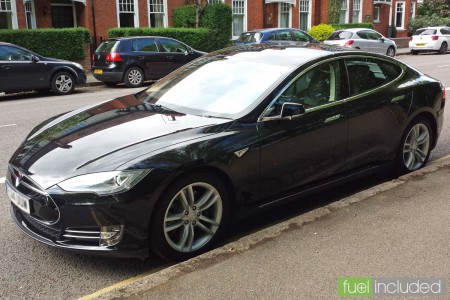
x: 43, y: 209
x: 42, y: 230
x: 88, y: 236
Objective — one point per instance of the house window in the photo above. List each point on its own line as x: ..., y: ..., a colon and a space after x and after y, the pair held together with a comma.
x: 30, y: 16
x: 285, y: 17
x: 400, y: 15
x: 239, y: 21
x: 127, y: 16
x: 63, y: 14
x: 356, y: 11
x: 8, y: 17
x: 412, y: 11
x: 376, y: 14
x: 343, y: 17
x: 215, y: 1
x: 157, y: 13
x: 305, y: 14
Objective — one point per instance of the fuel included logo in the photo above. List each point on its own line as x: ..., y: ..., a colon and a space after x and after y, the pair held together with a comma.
x: 379, y: 287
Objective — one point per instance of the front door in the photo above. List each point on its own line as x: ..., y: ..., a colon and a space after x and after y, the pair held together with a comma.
x: 313, y: 145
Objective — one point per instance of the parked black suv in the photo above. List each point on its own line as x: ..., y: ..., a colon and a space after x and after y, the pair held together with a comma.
x: 133, y: 60
x: 24, y: 70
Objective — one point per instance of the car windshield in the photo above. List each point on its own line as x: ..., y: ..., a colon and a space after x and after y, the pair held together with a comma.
x: 340, y: 35
x: 105, y: 47
x: 424, y: 31
x: 217, y: 86
x: 249, y: 37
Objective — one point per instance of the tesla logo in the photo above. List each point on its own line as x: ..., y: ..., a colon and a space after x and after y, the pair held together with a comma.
x: 241, y: 152
x: 18, y: 178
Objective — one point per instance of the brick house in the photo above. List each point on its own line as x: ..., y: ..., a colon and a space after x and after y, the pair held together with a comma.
x: 99, y: 15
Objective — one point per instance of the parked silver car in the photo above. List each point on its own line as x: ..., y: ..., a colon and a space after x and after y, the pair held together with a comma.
x: 430, y: 39
x: 364, y: 39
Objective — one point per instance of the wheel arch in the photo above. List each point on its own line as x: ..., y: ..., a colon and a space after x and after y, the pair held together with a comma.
x: 64, y: 69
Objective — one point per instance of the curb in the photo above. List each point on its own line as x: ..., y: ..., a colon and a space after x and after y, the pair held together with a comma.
x: 136, y: 287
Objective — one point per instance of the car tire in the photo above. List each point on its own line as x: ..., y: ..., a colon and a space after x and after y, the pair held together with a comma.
x: 134, y: 77
x: 190, y: 217
x: 414, y: 52
x: 443, y: 49
x: 62, y: 83
x: 111, y: 84
x: 415, y: 146
x: 390, y: 51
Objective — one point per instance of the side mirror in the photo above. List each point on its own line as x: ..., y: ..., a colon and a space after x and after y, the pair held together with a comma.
x: 382, y: 40
x: 290, y: 110
x: 34, y: 58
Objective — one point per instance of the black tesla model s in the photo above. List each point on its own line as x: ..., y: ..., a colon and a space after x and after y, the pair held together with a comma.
x: 163, y: 171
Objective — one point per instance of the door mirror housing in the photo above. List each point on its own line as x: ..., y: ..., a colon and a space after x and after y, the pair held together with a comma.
x: 291, y: 110
x: 34, y: 58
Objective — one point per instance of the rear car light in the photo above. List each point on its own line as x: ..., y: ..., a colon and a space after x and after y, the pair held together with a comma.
x: 113, y: 57
x: 349, y: 43
x: 435, y: 37
x: 411, y: 38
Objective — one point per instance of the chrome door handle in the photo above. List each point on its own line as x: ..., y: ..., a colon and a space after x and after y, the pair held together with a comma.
x: 333, y: 118
x: 6, y: 67
x: 169, y: 57
x: 398, y: 98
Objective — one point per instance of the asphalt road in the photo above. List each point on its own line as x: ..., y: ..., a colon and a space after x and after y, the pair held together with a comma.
x: 31, y: 270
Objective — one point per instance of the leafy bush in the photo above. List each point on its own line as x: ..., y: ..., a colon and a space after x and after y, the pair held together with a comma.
x: 427, y: 21
x: 321, y: 32
x: 184, y: 16
x: 334, y: 10
x: 352, y: 25
x: 70, y: 43
x: 198, y: 38
x: 218, y: 18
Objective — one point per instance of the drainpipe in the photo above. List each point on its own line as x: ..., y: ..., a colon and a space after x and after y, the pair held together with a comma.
x: 264, y: 13
x: 93, y: 21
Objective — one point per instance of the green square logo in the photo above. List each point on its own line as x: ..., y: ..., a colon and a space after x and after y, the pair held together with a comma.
x: 354, y: 286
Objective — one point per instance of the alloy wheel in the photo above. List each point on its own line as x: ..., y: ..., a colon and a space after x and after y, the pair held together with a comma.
x: 390, y: 52
x: 63, y: 83
x: 416, y: 147
x: 135, y: 77
x: 193, y: 217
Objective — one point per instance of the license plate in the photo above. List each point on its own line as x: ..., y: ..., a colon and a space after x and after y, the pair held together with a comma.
x: 18, y: 199
x: 98, y: 71
x: 420, y: 45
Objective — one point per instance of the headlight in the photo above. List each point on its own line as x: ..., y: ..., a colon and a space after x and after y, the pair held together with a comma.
x: 104, y: 183
x: 78, y: 65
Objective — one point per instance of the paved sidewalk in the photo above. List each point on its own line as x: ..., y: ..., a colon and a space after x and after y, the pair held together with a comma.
x: 400, y: 228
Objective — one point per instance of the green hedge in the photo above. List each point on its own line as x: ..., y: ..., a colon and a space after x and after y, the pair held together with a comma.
x: 198, y: 38
x: 352, y: 25
x: 184, y: 16
x: 427, y: 21
x: 67, y: 43
x: 321, y: 32
x: 218, y: 17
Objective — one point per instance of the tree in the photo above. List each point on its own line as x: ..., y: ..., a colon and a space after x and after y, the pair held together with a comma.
x: 431, y: 8
x: 199, y: 7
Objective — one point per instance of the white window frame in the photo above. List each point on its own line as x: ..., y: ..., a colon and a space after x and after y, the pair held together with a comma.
x: 136, y: 13
x: 375, y: 9
x: 13, y: 11
x: 165, y: 17
x: 32, y: 13
x: 347, y: 8
x: 215, y: 1
x: 412, y: 11
x: 244, y: 29
x: 300, y: 6
x: 360, y: 11
x: 403, y: 14
x: 280, y: 5
x: 74, y: 11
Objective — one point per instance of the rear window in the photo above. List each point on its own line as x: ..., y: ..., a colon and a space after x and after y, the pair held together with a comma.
x: 340, y: 35
x: 106, y: 46
x: 424, y: 31
x: 249, y: 37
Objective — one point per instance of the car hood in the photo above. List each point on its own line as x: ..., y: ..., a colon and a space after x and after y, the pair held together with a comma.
x: 105, y: 136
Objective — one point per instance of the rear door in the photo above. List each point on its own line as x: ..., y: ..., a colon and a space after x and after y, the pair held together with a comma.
x: 377, y: 109
x: 148, y: 55
x: 446, y: 34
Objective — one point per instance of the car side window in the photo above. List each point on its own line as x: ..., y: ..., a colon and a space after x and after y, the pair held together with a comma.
x: 284, y: 35
x: 445, y: 31
x: 300, y: 36
x: 12, y: 53
x: 362, y: 34
x: 173, y: 46
x: 318, y: 86
x: 366, y: 74
x: 373, y: 35
x: 144, y: 45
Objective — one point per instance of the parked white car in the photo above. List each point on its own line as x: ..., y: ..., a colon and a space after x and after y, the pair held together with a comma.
x: 430, y: 39
x: 364, y: 39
